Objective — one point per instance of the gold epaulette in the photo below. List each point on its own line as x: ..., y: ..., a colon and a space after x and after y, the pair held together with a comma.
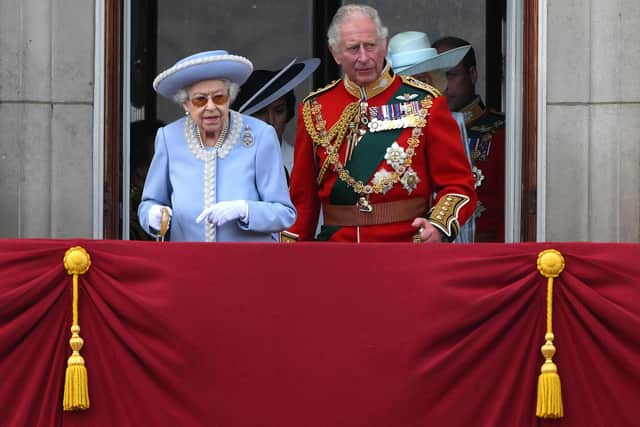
x: 410, y: 81
x: 322, y: 89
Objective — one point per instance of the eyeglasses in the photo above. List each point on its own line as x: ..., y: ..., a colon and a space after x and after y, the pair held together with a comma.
x: 202, y: 100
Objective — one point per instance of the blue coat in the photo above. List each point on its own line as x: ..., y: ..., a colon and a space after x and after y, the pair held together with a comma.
x: 188, y: 178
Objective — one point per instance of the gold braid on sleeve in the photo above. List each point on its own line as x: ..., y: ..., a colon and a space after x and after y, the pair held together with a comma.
x: 444, y: 215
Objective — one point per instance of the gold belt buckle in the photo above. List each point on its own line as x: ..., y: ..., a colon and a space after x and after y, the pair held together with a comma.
x: 364, y: 205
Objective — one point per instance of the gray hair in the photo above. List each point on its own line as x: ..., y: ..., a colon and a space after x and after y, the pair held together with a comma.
x: 347, y: 11
x: 182, y: 95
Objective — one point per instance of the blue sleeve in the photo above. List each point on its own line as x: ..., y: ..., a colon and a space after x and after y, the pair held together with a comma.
x: 274, y: 211
x: 157, y: 186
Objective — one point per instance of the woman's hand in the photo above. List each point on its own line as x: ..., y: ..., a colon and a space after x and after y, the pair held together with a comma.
x: 223, y: 212
x: 155, y: 216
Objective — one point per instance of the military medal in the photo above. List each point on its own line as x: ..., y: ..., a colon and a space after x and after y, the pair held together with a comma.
x: 382, y: 179
x: 375, y: 118
x: 478, y: 176
x: 410, y: 180
x: 395, y: 156
x: 398, y: 115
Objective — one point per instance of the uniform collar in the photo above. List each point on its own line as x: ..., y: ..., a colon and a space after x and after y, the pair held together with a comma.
x: 383, y: 82
x: 473, y: 111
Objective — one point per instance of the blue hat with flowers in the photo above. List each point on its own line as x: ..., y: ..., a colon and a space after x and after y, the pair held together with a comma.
x: 209, y: 65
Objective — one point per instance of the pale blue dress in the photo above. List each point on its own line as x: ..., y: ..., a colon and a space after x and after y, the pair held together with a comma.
x: 188, y: 177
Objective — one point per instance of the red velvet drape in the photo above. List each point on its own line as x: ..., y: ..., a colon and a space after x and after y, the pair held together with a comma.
x: 194, y: 334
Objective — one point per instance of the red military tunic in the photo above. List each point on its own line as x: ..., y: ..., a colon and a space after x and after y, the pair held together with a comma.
x: 400, y: 166
x: 486, y: 132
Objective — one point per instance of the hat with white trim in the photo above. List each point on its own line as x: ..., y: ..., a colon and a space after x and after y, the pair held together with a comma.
x: 209, y: 65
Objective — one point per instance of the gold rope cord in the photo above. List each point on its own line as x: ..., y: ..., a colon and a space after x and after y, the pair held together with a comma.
x: 324, y: 138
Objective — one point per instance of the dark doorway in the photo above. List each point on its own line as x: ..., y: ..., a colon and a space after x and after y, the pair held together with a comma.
x: 308, y: 24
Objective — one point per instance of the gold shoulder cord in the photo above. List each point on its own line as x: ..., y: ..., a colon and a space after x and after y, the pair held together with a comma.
x: 321, y: 137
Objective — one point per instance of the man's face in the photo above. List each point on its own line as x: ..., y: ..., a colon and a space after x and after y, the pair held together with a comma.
x: 361, y: 53
x: 460, y: 86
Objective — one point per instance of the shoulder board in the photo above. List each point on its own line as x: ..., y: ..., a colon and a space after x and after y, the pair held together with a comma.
x: 322, y: 89
x: 490, y: 122
x: 413, y: 82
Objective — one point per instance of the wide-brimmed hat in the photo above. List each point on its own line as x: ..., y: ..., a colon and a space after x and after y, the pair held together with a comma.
x: 410, y: 52
x: 209, y: 65
x: 265, y: 86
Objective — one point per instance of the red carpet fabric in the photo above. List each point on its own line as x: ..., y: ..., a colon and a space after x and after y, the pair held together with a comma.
x: 318, y: 334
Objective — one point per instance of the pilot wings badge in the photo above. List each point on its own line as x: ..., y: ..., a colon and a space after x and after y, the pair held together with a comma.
x: 407, y: 97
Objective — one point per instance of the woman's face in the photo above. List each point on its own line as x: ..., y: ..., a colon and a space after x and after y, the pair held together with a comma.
x: 208, y: 105
x: 435, y: 78
x: 276, y: 115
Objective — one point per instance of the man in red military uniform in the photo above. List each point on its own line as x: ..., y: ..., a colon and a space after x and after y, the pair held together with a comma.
x: 379, y: 152
x: 485, y: 132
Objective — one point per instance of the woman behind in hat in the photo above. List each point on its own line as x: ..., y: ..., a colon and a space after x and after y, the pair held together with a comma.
x: 410, y: 53
x: 213, y: 170
x: 268, y: 95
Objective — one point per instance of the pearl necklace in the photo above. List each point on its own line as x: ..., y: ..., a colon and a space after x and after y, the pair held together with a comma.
x: 219, y: 141
x: 226, y: 140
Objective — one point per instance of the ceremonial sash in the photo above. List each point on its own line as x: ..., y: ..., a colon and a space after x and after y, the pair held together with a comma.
x: 369, y: 153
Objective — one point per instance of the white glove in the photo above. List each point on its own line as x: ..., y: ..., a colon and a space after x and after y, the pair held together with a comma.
x: 223, y: 212
x: 155, y: 216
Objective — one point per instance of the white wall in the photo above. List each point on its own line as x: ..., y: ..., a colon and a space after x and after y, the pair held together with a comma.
x: 593, y: 121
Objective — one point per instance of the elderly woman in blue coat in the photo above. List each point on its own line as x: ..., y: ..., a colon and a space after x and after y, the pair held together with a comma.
x: 216, y: 172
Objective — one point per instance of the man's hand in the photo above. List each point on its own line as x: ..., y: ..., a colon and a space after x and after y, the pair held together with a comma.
x: 223, y: 212
x: 427, y: 232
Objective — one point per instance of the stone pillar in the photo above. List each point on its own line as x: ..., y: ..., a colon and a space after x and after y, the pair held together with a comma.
x: 46, y: 91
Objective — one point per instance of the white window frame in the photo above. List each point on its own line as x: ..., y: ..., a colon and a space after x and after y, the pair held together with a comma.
x: 513, y: 111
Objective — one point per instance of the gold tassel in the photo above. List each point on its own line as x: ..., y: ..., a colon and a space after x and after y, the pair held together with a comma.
x: 549, y: 405
x: 76, y: 386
